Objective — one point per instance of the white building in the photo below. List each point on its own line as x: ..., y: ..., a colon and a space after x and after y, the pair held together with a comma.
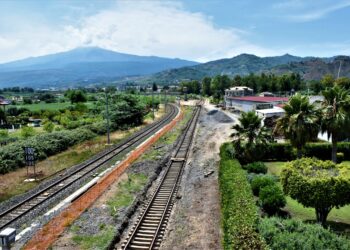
x: 238, y: 91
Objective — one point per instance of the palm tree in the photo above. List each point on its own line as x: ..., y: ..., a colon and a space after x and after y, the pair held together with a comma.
x: 300, y: 123
x: 250, y: 130
x: 336, y: 111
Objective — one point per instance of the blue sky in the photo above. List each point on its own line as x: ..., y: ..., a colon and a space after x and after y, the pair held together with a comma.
x: 198, y: 30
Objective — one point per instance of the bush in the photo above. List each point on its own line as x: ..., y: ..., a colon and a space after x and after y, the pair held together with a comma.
x: 293, y: 234
x: 11, y: 156
x: 239, y: 213
x: 256, y: 167
x: 260, y: 182
x: 340, y: 157
x: 4, y: 133
x: 49, y: 126
x: 27, y: 132
x: 271, y: 198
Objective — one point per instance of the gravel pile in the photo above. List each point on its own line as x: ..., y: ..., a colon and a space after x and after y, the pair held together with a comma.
x: 219, y: 116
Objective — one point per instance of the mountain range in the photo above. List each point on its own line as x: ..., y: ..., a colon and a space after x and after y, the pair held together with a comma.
x: 310, y: 68
x: 82, y: 66
x: 92, y: 65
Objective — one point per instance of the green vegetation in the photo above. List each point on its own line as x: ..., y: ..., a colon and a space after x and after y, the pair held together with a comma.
x: 261, y: 181
x: 319, y: 184
x: 272, y: 199
x: 249, y: 137
x: 99, y: 241
x: 239, y: 213
x: 76, y: 96
x: 73, y: 126
x: 43, y: 106
x: 126, y: 191
x: 123, y: 197
x: 300, y: 123
x: 294, y: 235
x: 256, y: 167
x: 27, y: 132
x: 297, y: 210
x: 336, y: 111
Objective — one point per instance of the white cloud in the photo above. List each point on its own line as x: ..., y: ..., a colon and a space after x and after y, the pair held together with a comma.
x: 315, y: 10
x: 143, y: 28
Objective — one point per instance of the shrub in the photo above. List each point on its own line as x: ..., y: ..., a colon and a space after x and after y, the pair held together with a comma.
x: 11, y: 156
x: 4, y: 133
x: 27, y: 132
x: 260, y: 182
x: 256, y: 167
x: 239, y: 213
x: 340, y: 157
x: 294, y: 234
x: 49, y: 126
x: 271, y: 198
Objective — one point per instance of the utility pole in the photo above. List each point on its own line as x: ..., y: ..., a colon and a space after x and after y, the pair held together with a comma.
x: 107, y: 117
x: 152, y: 103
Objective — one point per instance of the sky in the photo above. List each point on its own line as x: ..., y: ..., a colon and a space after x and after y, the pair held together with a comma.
x: 199, y: 30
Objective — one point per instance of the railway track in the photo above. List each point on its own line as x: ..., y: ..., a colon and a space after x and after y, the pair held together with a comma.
x: 148, y: 231
x: 83, y: 170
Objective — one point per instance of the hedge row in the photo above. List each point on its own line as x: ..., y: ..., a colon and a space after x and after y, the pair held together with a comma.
x: 239, y: 213
x: 285, y: 151
x: 12, y: 156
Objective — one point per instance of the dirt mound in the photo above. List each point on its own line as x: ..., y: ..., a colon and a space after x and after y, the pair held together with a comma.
x: 219, y: 116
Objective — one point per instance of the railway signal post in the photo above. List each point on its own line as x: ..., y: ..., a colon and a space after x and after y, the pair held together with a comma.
x: 29, y: 157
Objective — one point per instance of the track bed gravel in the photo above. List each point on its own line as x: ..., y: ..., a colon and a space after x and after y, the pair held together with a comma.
x: 99, y: 213
x: 195, y: 219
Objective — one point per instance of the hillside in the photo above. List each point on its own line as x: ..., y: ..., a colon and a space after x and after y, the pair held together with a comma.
x: 82, y: 66
x: 316, y: 68
x: 244, y: 64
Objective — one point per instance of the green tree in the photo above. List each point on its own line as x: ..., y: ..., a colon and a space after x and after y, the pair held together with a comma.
x: 336, y: 111
x: 300, y: 123
x: 322, y: 185
x: 249, y: 134
x: 49, y: 126
x: 219, y: 84
x: 206, y: 86
x: 343, y: 82
x: 154, y: 87
x: 76, y: 96
x: 328, y: 81
x: 27, y: 100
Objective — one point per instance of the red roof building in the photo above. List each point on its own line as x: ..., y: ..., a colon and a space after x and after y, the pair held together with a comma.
x: 264, y: 99
x: 249, y: 103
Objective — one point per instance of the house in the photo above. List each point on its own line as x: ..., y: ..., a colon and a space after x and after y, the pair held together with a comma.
x: 250, y: 103
x: 238, y: 91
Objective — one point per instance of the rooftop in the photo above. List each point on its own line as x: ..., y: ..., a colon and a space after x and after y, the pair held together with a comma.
x: 260, y: 98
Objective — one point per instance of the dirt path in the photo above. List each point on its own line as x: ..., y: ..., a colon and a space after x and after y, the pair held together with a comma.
x: 195, y: 220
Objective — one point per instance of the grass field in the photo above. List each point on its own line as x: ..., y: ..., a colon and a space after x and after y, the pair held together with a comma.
x: 46, y: 106
x: 338, y: 219
x: 12, y: 184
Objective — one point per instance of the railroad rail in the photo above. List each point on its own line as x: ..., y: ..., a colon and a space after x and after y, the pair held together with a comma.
x: 148, y: 231
x: 82, y: 170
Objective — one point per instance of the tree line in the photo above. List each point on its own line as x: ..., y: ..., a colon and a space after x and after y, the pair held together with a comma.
x: 284, y: 84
